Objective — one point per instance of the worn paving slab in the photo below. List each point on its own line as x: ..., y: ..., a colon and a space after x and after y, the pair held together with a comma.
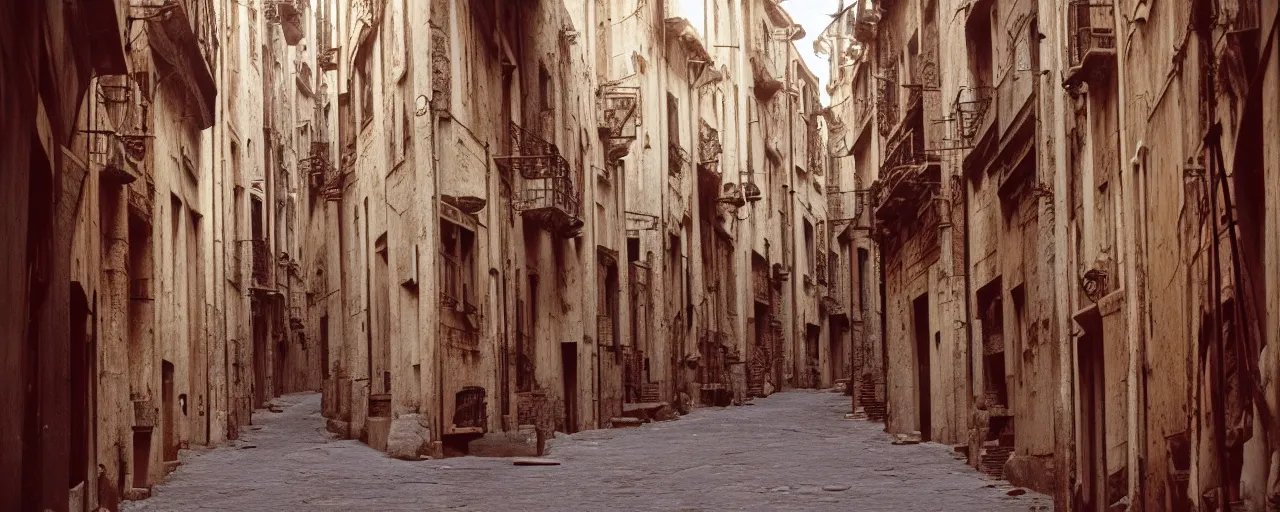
x: 778, y: 454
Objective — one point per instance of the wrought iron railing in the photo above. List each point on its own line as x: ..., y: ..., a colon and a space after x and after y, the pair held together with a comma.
x: 887, y: 102
x: 905, y: 147
x: 549, y: 182
x: 560, y: 193
x: 677, y: 159
x: 532, y: 156
x: 970, y: 112
x: 1092, y: 28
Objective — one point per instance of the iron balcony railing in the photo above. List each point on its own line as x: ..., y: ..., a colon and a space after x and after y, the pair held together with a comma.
x: 906, y: 147
x: 970, y: 111
x: 887, y: 101
x: 549, y: 182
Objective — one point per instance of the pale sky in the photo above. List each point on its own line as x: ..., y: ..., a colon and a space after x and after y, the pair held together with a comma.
x: 813, y: 15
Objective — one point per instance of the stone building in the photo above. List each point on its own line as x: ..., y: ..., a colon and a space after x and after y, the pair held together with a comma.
x: 1053, y: 185
x: 510, y: 159
x: 173, y: 259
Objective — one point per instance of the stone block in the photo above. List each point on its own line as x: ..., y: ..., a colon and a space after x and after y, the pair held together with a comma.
x: 1031, y: 471
x: 378, y: 429
x: 342, y: 428
x: 522, y: 443
x: 408, y: 438
x: 625, y: 422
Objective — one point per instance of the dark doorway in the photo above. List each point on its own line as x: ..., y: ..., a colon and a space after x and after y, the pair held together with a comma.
x: 924, y: 406
x: 569, y: 365
x: 81, y: 362
x: 837, y: 360
x: 324, y: 347
x: 169, y: 419
x: 1092, y: 418
x: 811, y: 377
x: 259, y: 323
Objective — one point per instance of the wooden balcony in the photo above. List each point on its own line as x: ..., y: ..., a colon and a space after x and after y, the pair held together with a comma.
x: 1091, y: 39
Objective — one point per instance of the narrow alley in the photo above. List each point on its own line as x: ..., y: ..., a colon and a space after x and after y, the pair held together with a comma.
x: 776, y: 455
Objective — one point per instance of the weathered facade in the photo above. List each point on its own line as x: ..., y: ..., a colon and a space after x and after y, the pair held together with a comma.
x: 1053, y: 186
x: 162, y: 235
x: 511, y: 159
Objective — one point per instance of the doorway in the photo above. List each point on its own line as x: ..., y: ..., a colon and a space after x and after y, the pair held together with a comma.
x: 924, y: 405
x: 169, y: 419
x: 569, y: 365
x: 838, y: 362
x: 81, y: 361
x: 1092, y: 417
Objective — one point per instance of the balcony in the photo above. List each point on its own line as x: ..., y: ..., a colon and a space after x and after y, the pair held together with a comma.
x: 910, y: 170
x: 181, y: 36
x: 766, y: 75
x: 326, y: 52
x: 287, y: 14
x: 886, y: 103
x: 970, y: 111
x: 550, y: 197
x: 709, y: 150
x: 1091, y: 39
x: 261, y: 256
x: 677, y: 160
x: 618, y: 109
x: 322, y: 176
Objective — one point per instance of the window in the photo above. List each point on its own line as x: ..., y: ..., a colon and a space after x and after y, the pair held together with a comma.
x: 673, y: 119
x: 364, y: 66
x: 808, y: 246
x: 457, y: 255
x: 253, y: 36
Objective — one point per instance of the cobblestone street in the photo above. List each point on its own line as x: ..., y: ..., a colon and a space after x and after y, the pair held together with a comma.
x: 776, y: 455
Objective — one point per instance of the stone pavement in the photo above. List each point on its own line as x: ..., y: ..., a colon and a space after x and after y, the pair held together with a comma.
x: 778, y: 454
